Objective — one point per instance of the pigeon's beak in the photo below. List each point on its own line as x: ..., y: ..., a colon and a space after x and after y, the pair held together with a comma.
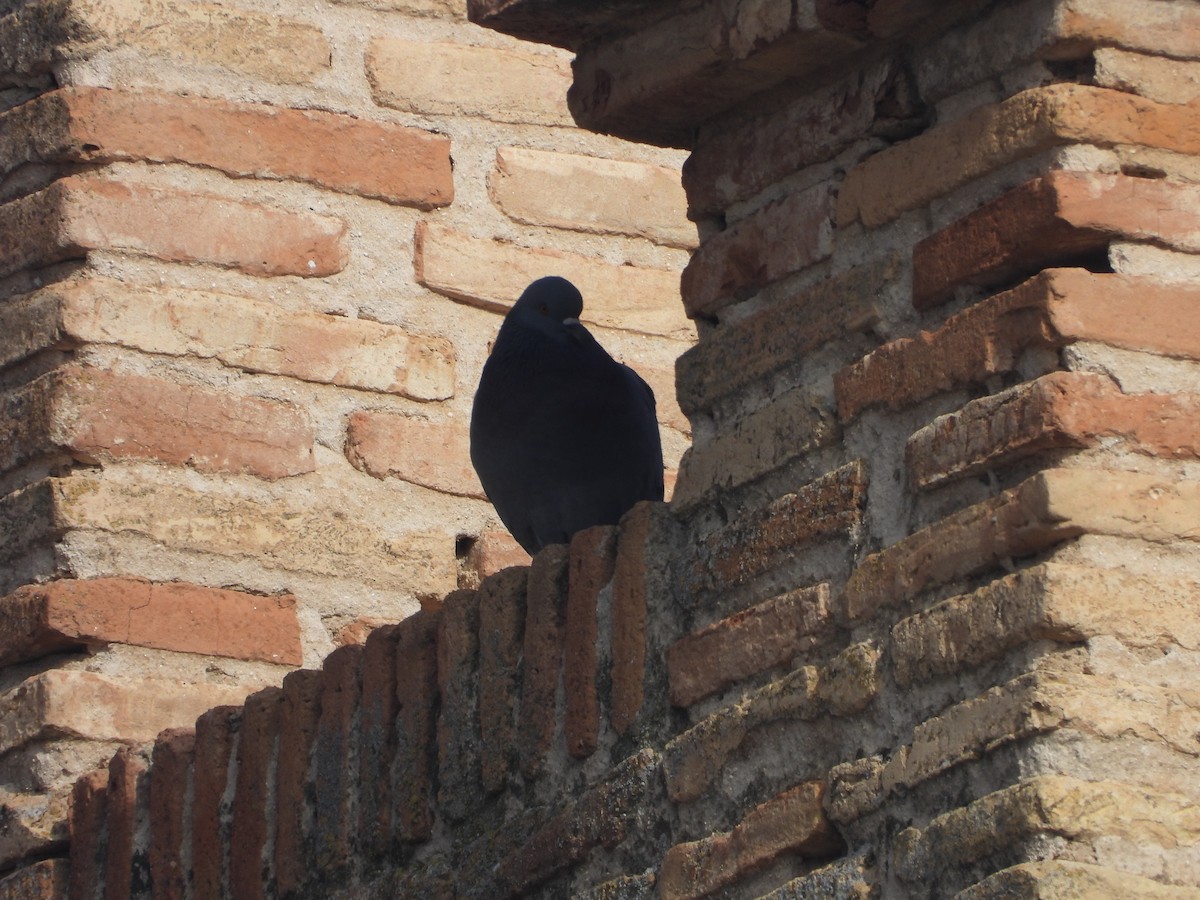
x: 571, y: 321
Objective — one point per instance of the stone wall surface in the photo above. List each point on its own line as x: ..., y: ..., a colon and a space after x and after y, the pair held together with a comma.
x: 918, y: 620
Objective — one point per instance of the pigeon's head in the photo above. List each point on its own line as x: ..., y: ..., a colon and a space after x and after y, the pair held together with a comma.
x: 548, y: 305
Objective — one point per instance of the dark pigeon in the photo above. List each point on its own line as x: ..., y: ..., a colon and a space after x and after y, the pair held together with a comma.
x: 563, y: 436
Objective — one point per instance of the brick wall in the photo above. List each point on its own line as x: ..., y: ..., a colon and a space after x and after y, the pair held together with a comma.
x: 251, y: 257
x: 916, y: 622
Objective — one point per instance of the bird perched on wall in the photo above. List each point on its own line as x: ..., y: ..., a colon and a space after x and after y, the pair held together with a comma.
x: 563, y: 436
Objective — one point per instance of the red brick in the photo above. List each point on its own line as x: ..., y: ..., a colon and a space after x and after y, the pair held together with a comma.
x: 828, y: 507
x: 336, y: 756
x: 632, y: 570
x: 249, y: 830
x: 37, y: 620
x: 126, y: 870
x: 293, y: 788
x: 216, y: 732
x: 1052, y: 220
x: 88, y: 836
x: 501, y: 630
x: 89, y: 212
x: 459, y: 787
x: 44, y: 880
x: 1053, y: 309
x: 792, y: 822
x: 489, y: 553
x: 359, y: 629
x: 545, y: 627
x: 415, y: 766
x: 172, y: 761
x: 749, y: 642
x: 780, y: 335
x: 377, y: 740
x: 432, y: 454
x: 593, y: 556
x: 1059, y: 410
x: 782, y: 238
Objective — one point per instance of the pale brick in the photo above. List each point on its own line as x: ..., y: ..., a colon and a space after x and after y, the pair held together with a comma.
x: 1168, y: 28
x: 790, y: 822
x: 1053, y: 506
x: 751, y: 641
x: 1154, y: 77
x: 93, y: 414
x: 1059, y: 879
x: 1059, y: 410
x: 1053, y: 601
x: 28, y: 324
x: 432, y: 454
x: 257, y: 44
x: 784, y: 237
x: 780, y: 336
x: 456, y: 80
x: 87, y: 212
x: 41, y: 619
x: 373, y: 159
x: 794, y: 425
x: 448, y: 9
x: 910, y: 174
x: 1045, y: 221
x: 253, y: 335
x: 492, y: 275
x: 89, y: 706
x: 278, y: 535
x: 587, y: 193
x: 1054, y: 308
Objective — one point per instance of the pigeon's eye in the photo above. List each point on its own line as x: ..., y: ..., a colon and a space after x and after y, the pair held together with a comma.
x: 543, y: 309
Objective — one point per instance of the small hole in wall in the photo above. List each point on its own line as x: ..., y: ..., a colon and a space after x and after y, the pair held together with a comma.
x: 462, y: 545
x: 1142, y: 170
x: 90, y: 148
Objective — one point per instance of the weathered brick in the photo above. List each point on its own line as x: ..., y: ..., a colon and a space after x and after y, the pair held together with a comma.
x: 91, y: 212
x: 415, y: 767
x: 910, y: 174
x: 172, y: 762
x: 459, y: 787
x: 791, y: 426
x: 790, y: 822
x: 545, y: 627
x: 249, y: 833
x: 1052, y: 220
x: 1060, y: 879
x: 126, y: 870
x: 241, y: 332
x: 1169, y: 29
x: 33, y: 820
x: 252, y: 43
x: 777, y: 337
x: 694, y: 759
x: 740, y: 154
x: 492, y: 274
x: 47, y: 879
x: 826, y: 507
x: 747, y: 643
x: 456, y: 80
x: 1157, y: 78
x: 592, y: 560
x: 488, y: 554
x: 335, y: 760
x: 216, y: 736
x: 95, y: 414
x: 373, y: 159
x: 1051, y: 507
x: 1054, y: 308
x: 1059, y: 410
x: 306, y: 538
x: 784, y: 237
x: 91, y: 706
x: 501, y: 630
x: 89, y: 836
x: 430, y: 453
x: 843, y: 879
x: 587, y: 193
x: 1053, y: 601
x: 1077, y: 810
x: 377, y: 741
x: 294, y: 790
x: 631, y: 574
x: 602, y: 817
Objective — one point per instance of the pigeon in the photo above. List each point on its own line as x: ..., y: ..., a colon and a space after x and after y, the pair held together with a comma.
x: 563, y: 437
